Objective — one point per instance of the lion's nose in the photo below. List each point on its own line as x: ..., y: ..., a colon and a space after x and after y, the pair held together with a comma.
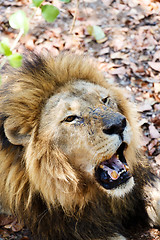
x: 114, y: 124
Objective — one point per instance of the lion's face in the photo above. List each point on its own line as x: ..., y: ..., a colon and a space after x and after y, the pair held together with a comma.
x: 85, y: 123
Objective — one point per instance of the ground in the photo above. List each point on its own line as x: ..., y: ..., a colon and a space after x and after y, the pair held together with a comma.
x: 129, y: 55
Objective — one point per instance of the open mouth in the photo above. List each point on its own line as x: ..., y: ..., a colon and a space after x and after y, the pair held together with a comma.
x: 114, y: 171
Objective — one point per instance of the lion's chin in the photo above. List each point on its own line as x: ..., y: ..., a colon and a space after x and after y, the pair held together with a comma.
x: 123, y: 189
x: 114, y: 172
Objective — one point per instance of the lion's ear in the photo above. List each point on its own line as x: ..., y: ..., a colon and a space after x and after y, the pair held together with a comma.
x: 13, y: 133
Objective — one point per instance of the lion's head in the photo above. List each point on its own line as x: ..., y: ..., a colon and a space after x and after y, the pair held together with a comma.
x: 67, y: 135
x: 91, y: 131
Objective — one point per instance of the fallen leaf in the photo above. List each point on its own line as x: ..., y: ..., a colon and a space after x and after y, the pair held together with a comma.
x: 30, y: 44
x: 152, y: 146
x: 140, y: 70
x: 16, y: 227
x: 156, y: 56
x: 104, y: 51
x: 155, y: 65
x: 132, y: 3
x: 107, y: 2
x: 156, y: 120
x: 118, y: 55
x: 157, y: 159
x: 118, y: 71
x: 151, y: 41
x: 5, y: 219
x: 152, y: 151
x: 8, y: 226
x: 118, y: 42
x: 157, y: 107
x: 102, y: 40
x: 133, y: 67
x: 142, y: 122
x: 153, y: 132
x: 144, y: 108
x: 97, y: 33
x: 139, y: 98
x: 157, y: 87
x: 143, y: 58
x: 157, y: 97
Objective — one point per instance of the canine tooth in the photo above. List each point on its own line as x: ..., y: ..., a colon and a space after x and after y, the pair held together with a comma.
x: 101, y: 166
x: 126, y: 167
x: 114, y: 175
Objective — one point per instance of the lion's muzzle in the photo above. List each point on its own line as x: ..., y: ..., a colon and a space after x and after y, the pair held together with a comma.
x: 114, y: 170
x: 114, y: 123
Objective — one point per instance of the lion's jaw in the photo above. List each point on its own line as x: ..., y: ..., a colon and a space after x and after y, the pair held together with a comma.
x: 76, y: 120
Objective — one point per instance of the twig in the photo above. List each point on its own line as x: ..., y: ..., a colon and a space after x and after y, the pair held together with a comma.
x: 21, y: 32
x: 75, y: 16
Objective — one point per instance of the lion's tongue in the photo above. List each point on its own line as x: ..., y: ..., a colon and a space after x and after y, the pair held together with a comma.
x: 114, y: 167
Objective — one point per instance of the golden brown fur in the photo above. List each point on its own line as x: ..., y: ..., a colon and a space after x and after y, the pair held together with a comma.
x: 44, y: 180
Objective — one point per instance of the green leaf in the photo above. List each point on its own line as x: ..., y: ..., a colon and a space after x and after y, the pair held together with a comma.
x: 4, y: 48
x: 19, y: 20
x: 49, y: 12
x: 96, y: 32
x: 65, y: 1
x: 37, y: 3
x: 15, y: 60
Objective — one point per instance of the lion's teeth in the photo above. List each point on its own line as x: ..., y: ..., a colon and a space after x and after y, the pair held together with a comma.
x: 101, y: 166
x: 124, y: 170
x: 126, y: 167
x: 115, y: 170
x: 114, y: 175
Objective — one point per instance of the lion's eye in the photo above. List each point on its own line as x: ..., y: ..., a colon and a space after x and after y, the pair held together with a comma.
x: 70, y: 118
x: 106, y: 100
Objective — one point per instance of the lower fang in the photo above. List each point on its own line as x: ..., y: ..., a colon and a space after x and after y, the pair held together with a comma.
x: 114, y: 175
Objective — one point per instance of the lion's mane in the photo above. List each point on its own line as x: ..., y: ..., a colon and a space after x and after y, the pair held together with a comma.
x: 64, y: 204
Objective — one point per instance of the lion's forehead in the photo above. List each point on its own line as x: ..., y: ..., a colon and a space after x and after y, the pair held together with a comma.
x: 77, y: 96
x: 88, y: 88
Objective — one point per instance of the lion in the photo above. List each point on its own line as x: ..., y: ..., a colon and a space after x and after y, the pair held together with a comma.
x: 71, y: 164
